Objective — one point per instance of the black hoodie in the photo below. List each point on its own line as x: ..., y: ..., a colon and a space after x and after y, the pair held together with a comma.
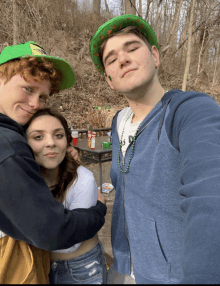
x: 28, y: 210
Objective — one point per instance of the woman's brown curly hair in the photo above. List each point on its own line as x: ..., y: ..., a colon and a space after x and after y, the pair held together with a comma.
x: 68, y: 167
x: 33, y: 69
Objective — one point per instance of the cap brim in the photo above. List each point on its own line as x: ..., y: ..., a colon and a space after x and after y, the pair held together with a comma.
x: 115, y: 25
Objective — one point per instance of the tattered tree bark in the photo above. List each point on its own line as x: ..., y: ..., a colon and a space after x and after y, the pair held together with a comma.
x: 15, y: 22
x: 96, y: 9
x: 189, y: 47
x: 130, y: 7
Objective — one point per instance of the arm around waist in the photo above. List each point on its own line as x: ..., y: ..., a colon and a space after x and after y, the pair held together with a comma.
x: 30, y: 213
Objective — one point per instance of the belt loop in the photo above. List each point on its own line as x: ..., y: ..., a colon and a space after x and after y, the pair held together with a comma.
x: 66, y: 265
x: 54, y: 264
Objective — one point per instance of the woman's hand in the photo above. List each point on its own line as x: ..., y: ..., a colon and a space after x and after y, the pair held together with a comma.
x: 101, y: 198
x: 72, y: 152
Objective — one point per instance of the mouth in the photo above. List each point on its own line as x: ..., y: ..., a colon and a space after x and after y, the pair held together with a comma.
x: 27, y: 111
x: 127, y: 72
x: 51, y: 155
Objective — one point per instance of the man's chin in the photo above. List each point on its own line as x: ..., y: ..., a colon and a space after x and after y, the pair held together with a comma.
x: 22, y: 122
x: 130, y: 91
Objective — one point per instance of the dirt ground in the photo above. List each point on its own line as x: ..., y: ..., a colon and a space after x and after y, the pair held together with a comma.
x: 105, y: 232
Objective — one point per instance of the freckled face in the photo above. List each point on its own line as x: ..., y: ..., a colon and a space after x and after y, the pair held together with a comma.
x: 20, y: 99
x: 46, y: 136
x: 129, y: 62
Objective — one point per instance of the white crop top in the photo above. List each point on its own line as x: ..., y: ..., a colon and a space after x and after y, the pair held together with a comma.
x: 82, y: 194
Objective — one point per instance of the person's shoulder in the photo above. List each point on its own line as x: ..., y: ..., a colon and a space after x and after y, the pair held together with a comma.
x: 124, y: 111
x: 84, y: 182
x: 189, y: 106
x: 13, y: 143
x: 5, y: 143
x: 84, y: 179
x: 179, y: 97
x: 123, y: 114
x: 84, y: 173
x: 186, y: 102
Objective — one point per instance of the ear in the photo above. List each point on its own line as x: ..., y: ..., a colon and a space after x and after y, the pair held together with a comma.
x: 109, y: 81
x: 155, y: 55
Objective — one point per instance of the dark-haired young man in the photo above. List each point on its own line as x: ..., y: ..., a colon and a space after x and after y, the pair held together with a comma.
x: 28, y: 210
x: 165, y: 164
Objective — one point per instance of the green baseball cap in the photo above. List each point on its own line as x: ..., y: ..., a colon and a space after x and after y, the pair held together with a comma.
x: 114, y: 25
x: 34, y: 50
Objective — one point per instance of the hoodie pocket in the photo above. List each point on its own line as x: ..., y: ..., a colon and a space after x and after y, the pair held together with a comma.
x: 147, y: 253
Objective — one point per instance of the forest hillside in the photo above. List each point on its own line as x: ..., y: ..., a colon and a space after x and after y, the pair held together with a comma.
x: 188, y: 32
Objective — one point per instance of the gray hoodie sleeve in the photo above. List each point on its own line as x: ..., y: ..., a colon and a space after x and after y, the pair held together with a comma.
x: 196, y: 135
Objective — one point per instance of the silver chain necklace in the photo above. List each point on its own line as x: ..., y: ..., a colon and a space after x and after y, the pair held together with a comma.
x: 133, y: 144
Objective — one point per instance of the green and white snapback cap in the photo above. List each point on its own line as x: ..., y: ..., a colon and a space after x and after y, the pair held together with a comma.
x: 34, y: 50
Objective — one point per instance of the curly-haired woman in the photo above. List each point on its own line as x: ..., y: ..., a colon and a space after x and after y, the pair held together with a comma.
x: 48, y: 135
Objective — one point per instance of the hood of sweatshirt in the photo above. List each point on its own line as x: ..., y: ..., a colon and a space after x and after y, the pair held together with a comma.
x: 7, y: 122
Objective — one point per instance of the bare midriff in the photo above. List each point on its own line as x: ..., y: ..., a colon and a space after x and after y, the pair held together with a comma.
x: 84, y: 248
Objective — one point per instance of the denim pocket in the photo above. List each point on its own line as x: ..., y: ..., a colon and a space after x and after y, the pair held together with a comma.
x: 89, y: 269
x: 89, y: 273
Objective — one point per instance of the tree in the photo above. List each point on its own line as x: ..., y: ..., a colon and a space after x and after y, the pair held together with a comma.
x: 188, y: 57
x: 216, y: 60
x: 174, y: 27
x: 148, y: 8
x: 15, y: 22
x: 200, y: 55
x: 96, y: 9
x: 140, y: 8
x: 107, y: 9
x: 130, y: 7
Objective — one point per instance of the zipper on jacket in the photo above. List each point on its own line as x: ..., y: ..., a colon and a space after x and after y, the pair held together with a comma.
x: 123, y: 164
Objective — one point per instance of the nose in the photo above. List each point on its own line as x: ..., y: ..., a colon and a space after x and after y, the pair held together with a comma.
x: 123, y: 58
x: 35, y: 102
x: 49, y: 141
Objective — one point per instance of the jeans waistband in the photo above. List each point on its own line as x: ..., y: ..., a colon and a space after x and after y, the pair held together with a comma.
x: 56, y: 264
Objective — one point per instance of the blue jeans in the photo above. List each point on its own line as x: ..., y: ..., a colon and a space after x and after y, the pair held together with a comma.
x: 89, y: 268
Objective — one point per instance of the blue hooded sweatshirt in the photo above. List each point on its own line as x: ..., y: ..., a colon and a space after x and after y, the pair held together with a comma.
x: 166, y: 212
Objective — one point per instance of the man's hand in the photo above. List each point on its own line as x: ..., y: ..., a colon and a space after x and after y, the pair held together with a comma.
x: 101, y: 198
x: 72, y: 152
